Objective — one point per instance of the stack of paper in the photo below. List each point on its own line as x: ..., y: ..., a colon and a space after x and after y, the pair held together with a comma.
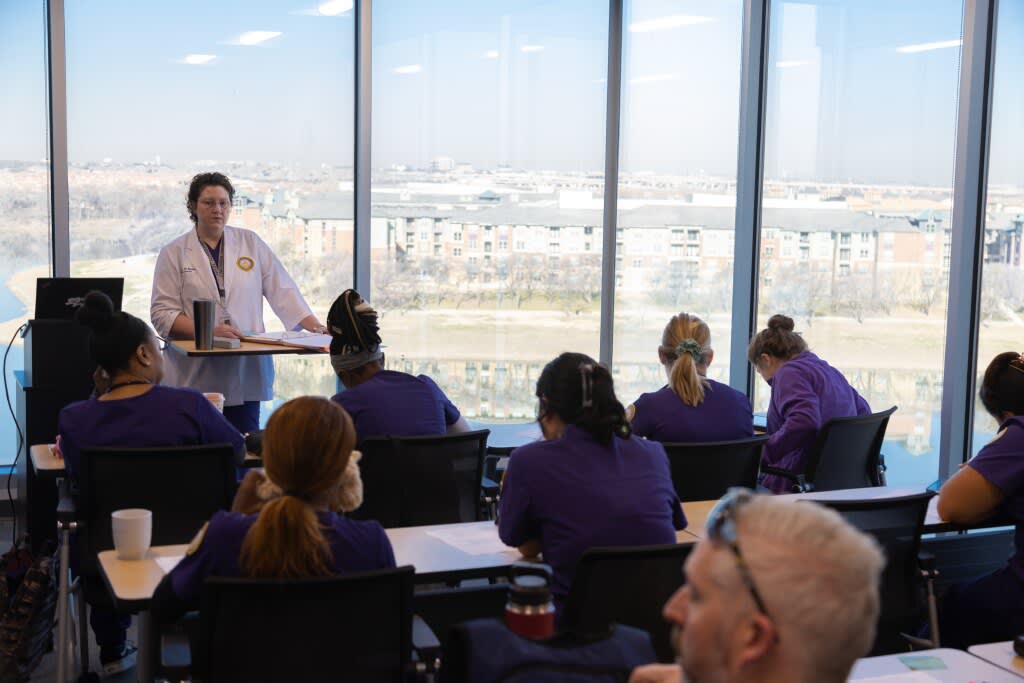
x: 300, y: 339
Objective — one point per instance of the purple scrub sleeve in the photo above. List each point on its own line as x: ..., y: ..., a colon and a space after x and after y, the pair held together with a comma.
x: 807, y: 392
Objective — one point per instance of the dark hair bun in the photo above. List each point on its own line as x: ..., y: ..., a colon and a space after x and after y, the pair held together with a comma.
x: 780, y: 322
x: 97, y: 312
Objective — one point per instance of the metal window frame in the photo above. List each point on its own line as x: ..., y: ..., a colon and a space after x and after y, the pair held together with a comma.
x: 613, y: 112
x: 362, y: 169
x: 967, y: 220
x: 749, y: 177
x: 57, y: 140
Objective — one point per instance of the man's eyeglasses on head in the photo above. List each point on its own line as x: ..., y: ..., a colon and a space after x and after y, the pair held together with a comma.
x: 721, y: 526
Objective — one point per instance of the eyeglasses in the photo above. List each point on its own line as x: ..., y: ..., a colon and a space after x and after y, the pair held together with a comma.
x: 210, y: 203
x: 721, y: 526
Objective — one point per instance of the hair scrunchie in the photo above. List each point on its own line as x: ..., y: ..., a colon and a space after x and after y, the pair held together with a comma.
x: 690, y: 346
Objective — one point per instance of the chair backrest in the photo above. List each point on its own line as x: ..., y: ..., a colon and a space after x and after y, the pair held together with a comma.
x: 442, y: 477
x: 182, y: 485
x: 443, y: 608
x: 419, y: 480
x: 626, y: 585
x: 382, y: 482
x: 896, y: 524
x: 846, y: 454
x: 356, y: 627
x: 705, y: 471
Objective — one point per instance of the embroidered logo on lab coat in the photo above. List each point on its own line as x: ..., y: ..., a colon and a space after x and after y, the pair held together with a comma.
x: 245, y: 263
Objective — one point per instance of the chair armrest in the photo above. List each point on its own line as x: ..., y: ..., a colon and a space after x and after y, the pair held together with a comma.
x: 800, y: 484
x: 927, y: 564
x: 882, y: 469
x: 425, y: 644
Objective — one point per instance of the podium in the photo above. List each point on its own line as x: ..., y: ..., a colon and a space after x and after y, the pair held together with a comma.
x: 58, y: 371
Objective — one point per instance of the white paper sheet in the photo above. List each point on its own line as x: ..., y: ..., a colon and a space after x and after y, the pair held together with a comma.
x: 168, y: 563
x: 476, y: 540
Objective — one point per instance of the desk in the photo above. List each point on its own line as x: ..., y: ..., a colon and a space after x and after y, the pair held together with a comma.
x: 132, y: 583
x: 45, y: 461
x: 509, y: 434
x: 697, y: 511
x: 1000, y: 654
x: 959, y: 667
x: 187, y: 347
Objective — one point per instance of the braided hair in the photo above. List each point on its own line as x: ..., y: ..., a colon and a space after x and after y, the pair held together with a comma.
x: 355, y: 335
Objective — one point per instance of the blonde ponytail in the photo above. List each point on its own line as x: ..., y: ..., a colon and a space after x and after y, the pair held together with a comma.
x: 686, y: 339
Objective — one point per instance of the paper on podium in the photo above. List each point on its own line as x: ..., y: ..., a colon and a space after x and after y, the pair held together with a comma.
x: 300, y: 339
x: 908, y: 677
x: 472, y: 540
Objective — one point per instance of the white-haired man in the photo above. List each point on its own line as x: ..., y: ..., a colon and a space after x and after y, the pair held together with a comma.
x: 777, y: 591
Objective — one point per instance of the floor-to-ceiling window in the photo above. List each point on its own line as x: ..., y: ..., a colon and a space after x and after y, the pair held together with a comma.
x: 261, y: 92
x: 855, y: 229
x: 1002, y: 291
x: 677, y: 180
x: 24, y: 183
x: 488, y: 153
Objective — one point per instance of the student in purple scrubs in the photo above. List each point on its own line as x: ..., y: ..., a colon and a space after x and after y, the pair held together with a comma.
x: 591, y: 482
x: 691, y: 407
x: 307, y: 449
x: 807, y: 392
x: 132, y: 410
x: 990, y: 608
x: 382, y: 402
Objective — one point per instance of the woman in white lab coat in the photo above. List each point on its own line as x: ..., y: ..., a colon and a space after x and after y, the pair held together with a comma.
x: 236, y: 269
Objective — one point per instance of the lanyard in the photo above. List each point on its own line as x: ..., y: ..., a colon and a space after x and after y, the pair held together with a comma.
x: 217, y: 266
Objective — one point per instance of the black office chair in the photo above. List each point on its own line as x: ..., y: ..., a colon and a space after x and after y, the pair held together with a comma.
x: 182, y: 485
x: 896, y: 524
x: 356, y: 627
x: 847, y: 455
x: 441, y: 609
x: 425, y: 479
x: 626, y: 585
x: 705, y: 471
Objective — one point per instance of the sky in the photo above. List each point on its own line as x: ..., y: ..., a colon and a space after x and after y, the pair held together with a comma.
x: 853, y: 95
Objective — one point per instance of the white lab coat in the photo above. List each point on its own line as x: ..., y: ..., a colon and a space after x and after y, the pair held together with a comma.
x: 183, y: 274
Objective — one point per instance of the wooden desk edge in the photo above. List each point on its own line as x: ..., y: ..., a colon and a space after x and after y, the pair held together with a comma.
x: 181, y: 346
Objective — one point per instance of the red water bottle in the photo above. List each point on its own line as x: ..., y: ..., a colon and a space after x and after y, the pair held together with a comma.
x: 530, y: 611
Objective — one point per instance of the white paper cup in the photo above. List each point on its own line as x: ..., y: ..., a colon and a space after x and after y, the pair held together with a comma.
x: 133, y: 532
x: 216, y: 399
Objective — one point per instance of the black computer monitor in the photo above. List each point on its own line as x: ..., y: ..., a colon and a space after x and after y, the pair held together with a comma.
x: 57, y: 298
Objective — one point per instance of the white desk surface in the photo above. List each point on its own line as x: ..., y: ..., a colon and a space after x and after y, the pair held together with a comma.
x: 1000, y: 654
x: 960, y: 667
x: 697, y: 511
x: 44, y: 459
x: 137, y: 579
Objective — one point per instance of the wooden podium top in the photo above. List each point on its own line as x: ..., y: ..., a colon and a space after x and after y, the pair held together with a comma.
x: 187, y: 347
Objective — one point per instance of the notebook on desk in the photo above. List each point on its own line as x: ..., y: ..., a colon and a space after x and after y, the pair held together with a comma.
x: 301, y: 339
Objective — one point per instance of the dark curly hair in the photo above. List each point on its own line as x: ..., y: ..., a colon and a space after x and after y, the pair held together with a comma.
x: 777, y: 340
x: 579, y: 390
x: 1002, y: 388
x: 199, y: 183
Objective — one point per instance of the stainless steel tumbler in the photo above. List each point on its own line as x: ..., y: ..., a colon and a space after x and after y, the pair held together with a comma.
x: 204, y: 316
